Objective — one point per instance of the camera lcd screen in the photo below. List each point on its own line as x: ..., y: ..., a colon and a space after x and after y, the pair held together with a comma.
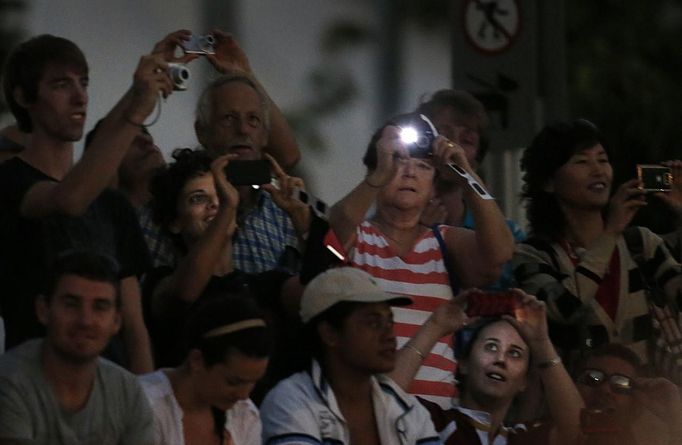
x: 655, y: 178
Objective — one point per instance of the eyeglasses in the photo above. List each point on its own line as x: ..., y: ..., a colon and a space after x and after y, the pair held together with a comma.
x: 619, y: 383
x: 473, y: 183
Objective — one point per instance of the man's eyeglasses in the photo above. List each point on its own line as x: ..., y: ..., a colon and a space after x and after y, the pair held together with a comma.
x: 619, y: 383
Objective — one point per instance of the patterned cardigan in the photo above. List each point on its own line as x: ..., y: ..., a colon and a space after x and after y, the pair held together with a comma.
x: 577, y: 320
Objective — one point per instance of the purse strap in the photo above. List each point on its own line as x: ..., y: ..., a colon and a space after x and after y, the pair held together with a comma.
x: 447, y: 261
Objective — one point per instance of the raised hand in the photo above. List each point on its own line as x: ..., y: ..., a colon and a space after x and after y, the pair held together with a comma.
x: 450, y: 316
x: 227, y: 193
x: 661, y: 397
x: 673, y: 198
x: 169, y: 45
x: 389, y: 149
x: 624, y: 204
x: 229, y: 56
x: 150, y: 79
x: 228, y: 196
x: 282, y: 196
x: 446, y: 152
x: 530, y: 318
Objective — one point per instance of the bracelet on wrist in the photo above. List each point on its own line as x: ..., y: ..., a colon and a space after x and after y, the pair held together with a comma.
x: 556, y: 361
x: 416, y: 351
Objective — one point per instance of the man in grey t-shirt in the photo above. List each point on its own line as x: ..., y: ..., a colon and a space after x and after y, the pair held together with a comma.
x: 57, y: 390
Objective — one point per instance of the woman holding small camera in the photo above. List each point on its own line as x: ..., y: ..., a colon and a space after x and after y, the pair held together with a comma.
x: 408, y: 258
x: 197, y: 206
x: 499, y: 357
x: 581, y: 258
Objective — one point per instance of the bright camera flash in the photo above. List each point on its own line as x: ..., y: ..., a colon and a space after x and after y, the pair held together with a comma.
x: 409, y: 135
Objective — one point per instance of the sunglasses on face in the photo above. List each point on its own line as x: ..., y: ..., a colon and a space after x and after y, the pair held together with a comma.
x: 619, y: 383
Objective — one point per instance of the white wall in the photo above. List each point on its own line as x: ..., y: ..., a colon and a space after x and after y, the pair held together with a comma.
x: 282, y: 39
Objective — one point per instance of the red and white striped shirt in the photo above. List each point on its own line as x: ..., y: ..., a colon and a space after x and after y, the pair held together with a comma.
x: 421, y: 274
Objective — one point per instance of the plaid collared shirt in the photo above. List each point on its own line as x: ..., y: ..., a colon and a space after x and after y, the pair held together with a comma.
x: 262, y: 236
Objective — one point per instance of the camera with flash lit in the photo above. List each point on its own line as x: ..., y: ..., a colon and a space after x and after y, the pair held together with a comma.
x: 417, y: 133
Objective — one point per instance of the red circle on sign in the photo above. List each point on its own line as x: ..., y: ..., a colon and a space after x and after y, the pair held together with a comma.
x: 489, y: 27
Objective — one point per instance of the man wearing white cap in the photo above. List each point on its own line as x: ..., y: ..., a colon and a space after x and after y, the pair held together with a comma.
x: 343, y: 397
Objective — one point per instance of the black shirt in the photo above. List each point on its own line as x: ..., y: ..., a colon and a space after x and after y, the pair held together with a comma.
x: 27, y: 246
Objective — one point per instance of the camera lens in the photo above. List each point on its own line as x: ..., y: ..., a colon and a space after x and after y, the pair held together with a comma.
x: 422, y: 142
x: 179, y: 74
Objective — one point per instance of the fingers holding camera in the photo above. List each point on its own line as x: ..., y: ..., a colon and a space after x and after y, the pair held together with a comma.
x: 450, y: 316
x: 673, y: 198
x: 227, y: 193
x: 229, y: 56
x: 530, y: 317
x: 283, y: 196
x: 389, y: 150
x: 171, y: 45
x: 445, y: 152
x: 150, y: 79
x: 624, y: 204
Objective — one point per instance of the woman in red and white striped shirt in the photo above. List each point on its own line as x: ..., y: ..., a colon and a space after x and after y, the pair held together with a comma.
x: 405, y: 256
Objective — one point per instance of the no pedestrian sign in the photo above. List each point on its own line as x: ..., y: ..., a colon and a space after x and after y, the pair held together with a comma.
x: 491, y: 26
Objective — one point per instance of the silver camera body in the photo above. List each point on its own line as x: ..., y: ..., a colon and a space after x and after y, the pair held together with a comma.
x: 199, y: 44
x: 179, y: 75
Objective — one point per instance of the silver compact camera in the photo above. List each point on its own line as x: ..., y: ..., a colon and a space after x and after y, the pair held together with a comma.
x: 179, y: 75
x: 199, y: 44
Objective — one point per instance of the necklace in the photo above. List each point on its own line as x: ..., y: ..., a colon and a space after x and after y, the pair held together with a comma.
x: 402, y: 241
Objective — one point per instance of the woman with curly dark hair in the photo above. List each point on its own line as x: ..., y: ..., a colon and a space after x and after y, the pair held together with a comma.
x: 580, y: 258
x: 197, y: 206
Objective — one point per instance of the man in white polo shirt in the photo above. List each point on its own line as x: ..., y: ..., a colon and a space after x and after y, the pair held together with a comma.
x: 343, y: 397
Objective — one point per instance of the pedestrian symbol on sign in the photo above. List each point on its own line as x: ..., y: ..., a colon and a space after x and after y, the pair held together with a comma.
x: 491, y: 25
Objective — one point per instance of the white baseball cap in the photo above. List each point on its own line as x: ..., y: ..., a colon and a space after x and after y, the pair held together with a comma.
x: 344, y: 284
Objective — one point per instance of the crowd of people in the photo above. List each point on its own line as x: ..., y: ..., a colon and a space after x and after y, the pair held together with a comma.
x: 147, y: 302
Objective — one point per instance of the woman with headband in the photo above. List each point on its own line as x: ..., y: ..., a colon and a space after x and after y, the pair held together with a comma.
x: 206, y: 399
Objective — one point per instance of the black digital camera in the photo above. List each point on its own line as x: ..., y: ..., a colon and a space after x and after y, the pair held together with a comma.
x: 250, y: 172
